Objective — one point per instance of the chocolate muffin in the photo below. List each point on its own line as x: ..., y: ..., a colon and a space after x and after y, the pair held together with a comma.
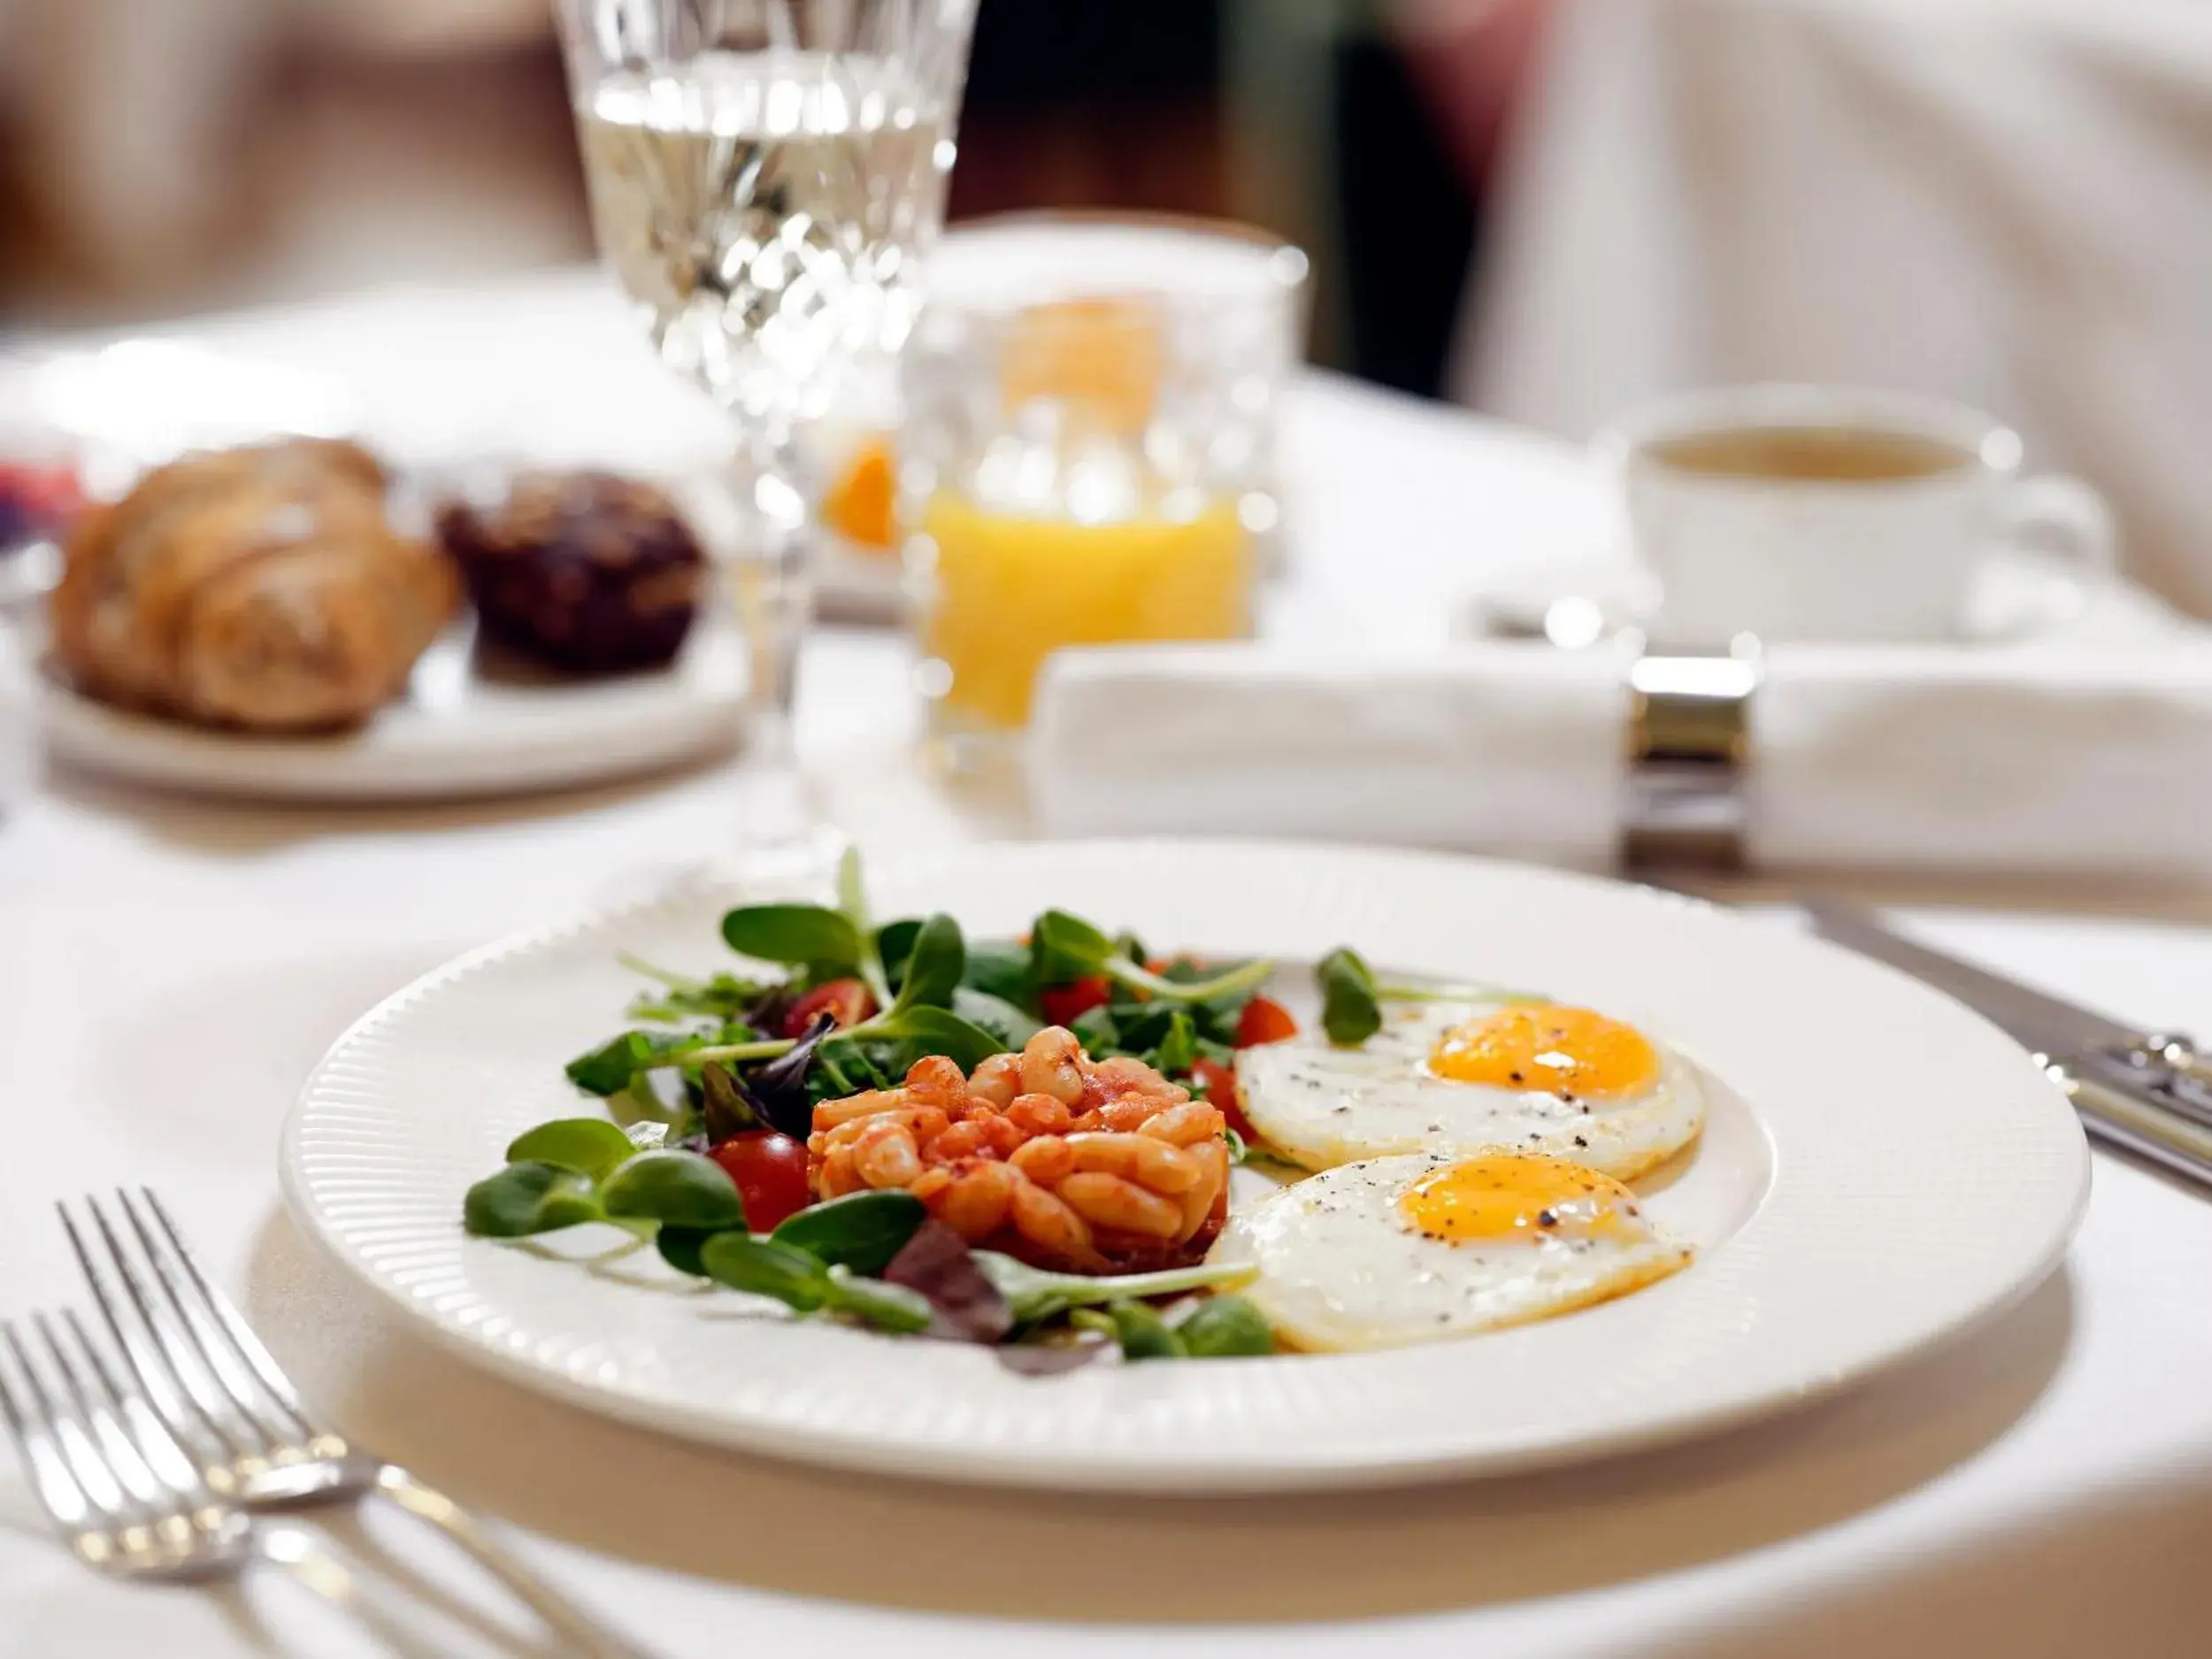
x: 586, y: 570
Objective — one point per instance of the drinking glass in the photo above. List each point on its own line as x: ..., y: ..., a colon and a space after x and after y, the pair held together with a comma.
x: 1088, y: 454
x: 764, y: 178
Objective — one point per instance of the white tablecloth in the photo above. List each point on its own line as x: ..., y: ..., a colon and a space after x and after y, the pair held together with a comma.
x: 2004, y: 201
x: 172, y: 968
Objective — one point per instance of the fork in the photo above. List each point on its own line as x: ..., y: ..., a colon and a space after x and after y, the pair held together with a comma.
x: 120, y: 1491
x: 222, y: 1396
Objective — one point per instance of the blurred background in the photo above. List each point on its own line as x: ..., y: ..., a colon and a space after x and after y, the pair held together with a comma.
x: 1545, y: 209
x: 163, y: 156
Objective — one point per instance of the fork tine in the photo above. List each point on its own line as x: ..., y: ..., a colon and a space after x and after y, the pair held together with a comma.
x: 104, y: 1494
x: 59, y: 1492
x: 201, y: 1330
x: 182, y: 1405
x: 178, y: 1352
x: 249, y: 1346
x: 149, y: 1435
x: 100, y: 1425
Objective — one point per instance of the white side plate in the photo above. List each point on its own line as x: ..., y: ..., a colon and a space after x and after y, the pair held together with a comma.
x: 456, y: 732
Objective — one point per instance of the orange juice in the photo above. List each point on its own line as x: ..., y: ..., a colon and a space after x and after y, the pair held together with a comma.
x: 1013, y: 590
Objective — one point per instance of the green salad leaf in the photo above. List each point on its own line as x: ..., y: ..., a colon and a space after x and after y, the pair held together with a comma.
x: 793, y: 1277
x: 923, y: 1029
x: 1178, y: 1047
x: 1033, y: 1294
x: 680, y: 1246
x: 892, y: 1308
x: 589, y: 1146
x: 804, y: 1283
x: 1064, y: 949
x: 861, y: 1231
x: 720, y: 997
x: 686, y: 1189
x: 1226, y: 1327
x: 525, y: 1199
x: 1141, y: 1332
x: 934, y: 965
x: 1220, y: 1327
x: 1011, y: 1025
x: 1000, y: 968
x: 801, y: 935
x: 1351, y: 1010
x: 894, y: 943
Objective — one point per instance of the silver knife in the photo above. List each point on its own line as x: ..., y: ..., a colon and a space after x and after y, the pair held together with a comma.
x: 2148, y: 1092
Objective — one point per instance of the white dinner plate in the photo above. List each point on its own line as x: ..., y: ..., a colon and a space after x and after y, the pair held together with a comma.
x: 1882, y: 1169
x: 456, y: 732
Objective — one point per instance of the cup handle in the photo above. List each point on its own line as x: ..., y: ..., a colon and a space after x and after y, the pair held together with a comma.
x: 2061, y: 516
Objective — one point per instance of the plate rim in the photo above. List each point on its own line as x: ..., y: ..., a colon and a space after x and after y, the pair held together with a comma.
x: 684, y: 719
x: 1146, y: 1473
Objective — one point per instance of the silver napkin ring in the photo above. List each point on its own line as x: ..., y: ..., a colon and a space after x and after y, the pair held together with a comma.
x: 1687, y: 800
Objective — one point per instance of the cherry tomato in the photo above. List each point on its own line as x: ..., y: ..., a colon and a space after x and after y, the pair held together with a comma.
x: 769, y: 1170
x: 1062, y: 1003
x: 1221, y: 1092
x: 1264, y: 1020
x: 848, y: 999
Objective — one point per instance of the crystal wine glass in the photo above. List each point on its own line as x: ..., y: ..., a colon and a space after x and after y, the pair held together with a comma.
x: 764, y: 176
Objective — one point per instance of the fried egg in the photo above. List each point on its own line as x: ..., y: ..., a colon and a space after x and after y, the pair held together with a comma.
x: 1461, y: 1077
x: 1398, y: 1250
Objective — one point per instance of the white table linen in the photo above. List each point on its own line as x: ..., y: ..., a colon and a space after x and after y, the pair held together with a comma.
x: 18, y: 722
x: 2007, y: 202
x: 172, y: 968
x: 2067, y: 759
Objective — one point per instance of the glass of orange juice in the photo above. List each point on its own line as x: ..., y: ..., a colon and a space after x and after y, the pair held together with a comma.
x: 1087, y: 452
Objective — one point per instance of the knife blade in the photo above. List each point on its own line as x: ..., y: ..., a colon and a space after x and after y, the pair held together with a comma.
x: 2151, y: 1094
x: 2035, y: 1021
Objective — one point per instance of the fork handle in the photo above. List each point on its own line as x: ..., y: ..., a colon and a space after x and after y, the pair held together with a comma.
x: 296, y: 1549
x: 588, y: 1634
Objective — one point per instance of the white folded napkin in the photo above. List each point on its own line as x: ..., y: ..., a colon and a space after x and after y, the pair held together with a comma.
x: 1999, y: 760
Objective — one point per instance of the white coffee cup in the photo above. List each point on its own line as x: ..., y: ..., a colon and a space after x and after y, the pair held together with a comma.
x: 1825, y: 512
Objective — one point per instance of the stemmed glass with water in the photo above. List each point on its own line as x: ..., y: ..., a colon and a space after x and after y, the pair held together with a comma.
x: 764, y: 177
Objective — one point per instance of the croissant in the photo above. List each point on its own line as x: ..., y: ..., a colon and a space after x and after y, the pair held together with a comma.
x: 261, y: 587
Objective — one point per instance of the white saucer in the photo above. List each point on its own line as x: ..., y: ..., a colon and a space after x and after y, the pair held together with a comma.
x: 2016, y: 598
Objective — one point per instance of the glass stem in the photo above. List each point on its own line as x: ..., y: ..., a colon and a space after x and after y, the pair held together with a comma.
x: 781, y: 809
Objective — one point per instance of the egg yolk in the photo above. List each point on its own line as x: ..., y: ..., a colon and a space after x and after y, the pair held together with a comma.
x: 1516, y: 1197
x: 1543, y: 1047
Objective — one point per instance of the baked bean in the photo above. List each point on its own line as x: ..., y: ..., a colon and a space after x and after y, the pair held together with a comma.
x: 930, y: 1184
x: 998, y: 1080
x: 836, y: 1177
x: 1038, y: 1115
x: 1047, y: 1222
x: 1048, y: 1162
x: 1128, y: 1114
x: 1212, y: 1158
x: 1186, y: 1125
x: 1108, y: 1201
x: 1153, y: 1165
x: 1049, y: 1065
x: 963, y: 1140
x: 935, y: 1079
x: 1125, y: 1074
x: 978, y: 1200
x: 830, y: 1113
x: 883, y: 1154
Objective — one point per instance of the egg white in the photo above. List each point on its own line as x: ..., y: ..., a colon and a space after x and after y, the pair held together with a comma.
x: 1341, y: 1268
x: 1320, y: 1105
